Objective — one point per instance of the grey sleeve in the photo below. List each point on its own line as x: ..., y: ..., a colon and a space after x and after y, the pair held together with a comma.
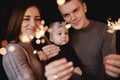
x: 16, y: 64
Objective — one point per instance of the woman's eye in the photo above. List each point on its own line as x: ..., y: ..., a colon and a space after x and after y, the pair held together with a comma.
x: 26, y: 19
x: 37, y: 19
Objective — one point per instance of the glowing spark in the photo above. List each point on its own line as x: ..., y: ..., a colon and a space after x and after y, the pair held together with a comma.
x: 41, y: 33
x: 24, y: 38
x: 68, y: 26
x: 60, y: 2
x: 35, y: 51
x: 42, y: 40
x: 113, y: 26
x: 2, y: 51
x: 42, y: 22
x: 11, y: 48
x: 38, y: 41
x: 31, y: 37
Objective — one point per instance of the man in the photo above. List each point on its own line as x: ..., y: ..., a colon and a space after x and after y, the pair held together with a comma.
x: 92, y: 43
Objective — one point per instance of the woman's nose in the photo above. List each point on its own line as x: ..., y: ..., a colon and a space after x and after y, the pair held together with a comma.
x: 32, y: 23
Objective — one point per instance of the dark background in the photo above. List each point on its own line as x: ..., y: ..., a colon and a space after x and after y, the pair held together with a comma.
x: 99, y: 10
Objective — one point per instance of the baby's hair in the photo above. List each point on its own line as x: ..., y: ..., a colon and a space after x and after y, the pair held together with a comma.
x: 57, y: 24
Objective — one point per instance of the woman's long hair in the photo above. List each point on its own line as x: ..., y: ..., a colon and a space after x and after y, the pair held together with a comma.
x: 14, y: 26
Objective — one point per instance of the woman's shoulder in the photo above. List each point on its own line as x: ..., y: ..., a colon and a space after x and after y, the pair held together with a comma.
x: 14, y: 49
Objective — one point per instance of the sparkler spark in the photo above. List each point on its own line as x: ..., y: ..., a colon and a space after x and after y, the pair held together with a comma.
x: 40, y: 36
x: 113, y: 26
x: 60, y: 2
x: 41, y: 33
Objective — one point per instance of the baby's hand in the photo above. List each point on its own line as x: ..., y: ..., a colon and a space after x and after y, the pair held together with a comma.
x: 78, y: 70
x: 51, y: 50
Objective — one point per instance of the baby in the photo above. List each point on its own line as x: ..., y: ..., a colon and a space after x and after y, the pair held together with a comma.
x: 59, y: 35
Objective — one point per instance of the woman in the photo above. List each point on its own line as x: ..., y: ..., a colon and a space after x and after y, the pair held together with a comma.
x: 19, y: 62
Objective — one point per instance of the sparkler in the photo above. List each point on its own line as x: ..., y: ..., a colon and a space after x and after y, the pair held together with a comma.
x: 39, y: 35
x: 113, y: 26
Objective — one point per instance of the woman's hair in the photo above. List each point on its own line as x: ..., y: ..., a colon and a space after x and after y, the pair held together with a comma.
x: 14, y: 26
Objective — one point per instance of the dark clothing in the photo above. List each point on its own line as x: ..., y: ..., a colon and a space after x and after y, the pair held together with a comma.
x: 66, y: 51
x: 21, y: 64
x: 92, y: 44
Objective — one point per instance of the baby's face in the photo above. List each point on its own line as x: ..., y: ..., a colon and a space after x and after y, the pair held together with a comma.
x: 60, y: 36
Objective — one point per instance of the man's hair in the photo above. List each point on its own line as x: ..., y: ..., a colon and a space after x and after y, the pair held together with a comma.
x: 66, y: 1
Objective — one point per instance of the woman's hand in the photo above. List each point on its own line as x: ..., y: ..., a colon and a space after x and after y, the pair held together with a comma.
x: 112, y: 65
x: 59, y: 70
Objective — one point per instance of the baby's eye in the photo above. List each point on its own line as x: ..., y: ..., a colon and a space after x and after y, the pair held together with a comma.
x: 59, y: 33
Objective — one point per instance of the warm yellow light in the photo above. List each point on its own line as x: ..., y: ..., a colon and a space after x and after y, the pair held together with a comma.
x: 68, y: 26
x: 3, y: 51
x: 11, y: 48
x: 35, y: 51
x: 113, y: 26
x: 60, y: 2
x: 38, y: 41
x: 42, y: 40
x: 24, y: 38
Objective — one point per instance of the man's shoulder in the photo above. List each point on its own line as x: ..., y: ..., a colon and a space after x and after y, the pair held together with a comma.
x: 96, y: 22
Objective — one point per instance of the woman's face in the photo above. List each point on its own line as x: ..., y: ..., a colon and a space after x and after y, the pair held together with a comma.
x: 31, y: 21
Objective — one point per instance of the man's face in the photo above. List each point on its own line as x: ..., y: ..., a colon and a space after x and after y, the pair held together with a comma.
x: 73, y: 12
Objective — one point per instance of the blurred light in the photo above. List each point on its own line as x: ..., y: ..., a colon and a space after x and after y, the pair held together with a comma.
x: 3, y: 51
x: 60, y: 2
x: 11, y: 48
x: 35, y: 51
x: 68, y: 26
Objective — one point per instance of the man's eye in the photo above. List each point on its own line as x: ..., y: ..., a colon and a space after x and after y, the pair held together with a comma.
x: 77, y: 9
x: 66, y: 15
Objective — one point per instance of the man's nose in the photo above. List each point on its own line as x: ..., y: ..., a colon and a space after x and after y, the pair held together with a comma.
x: 73, y: 16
